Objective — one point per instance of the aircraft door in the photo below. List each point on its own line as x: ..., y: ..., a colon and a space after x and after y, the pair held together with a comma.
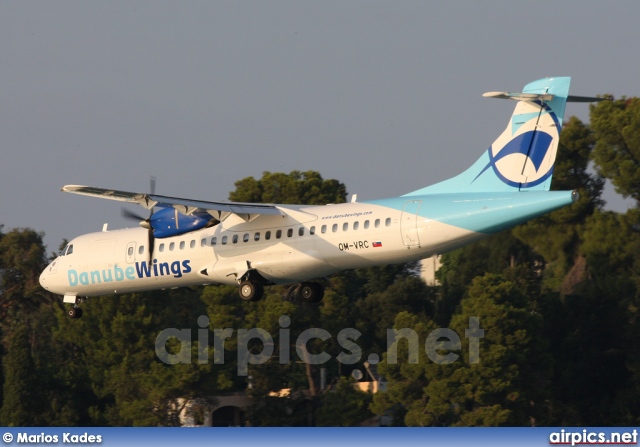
x: 131, y: 252
x: 409, y: 223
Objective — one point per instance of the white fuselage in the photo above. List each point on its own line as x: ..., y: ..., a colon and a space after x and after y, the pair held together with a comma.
x: 306, y: 243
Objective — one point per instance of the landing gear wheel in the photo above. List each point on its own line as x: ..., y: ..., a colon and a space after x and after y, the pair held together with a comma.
x: 74, y: 312
x: 310, y: 292
x: 250, y: 291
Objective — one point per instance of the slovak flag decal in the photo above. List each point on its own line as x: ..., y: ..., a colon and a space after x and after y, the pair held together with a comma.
x: 377, y: 244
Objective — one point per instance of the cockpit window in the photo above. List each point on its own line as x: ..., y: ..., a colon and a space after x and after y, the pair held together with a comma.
x: 70, y: 250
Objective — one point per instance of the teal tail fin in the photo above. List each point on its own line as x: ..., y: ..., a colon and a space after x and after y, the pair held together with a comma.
x: 523, y: 156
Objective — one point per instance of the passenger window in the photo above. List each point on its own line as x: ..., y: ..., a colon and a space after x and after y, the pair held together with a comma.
x: 290, y: 232
x: 377, y: 223
x: 345, y: 226
x: 161, y: 248
x: 278, y: 234
x: 141, y: 249
x: 172, y: 245
x: 182, y: 244
x: 214, y: 240
x: 235, y: 239
x: 224, y: 240
x: 323, y: 229
x: 312, y: 231
x: 334, y: 228
x: 256, y: 236
x: 192, y: 244
x: 366, y: 224
x: 245, y: 238
x: 203, y: 243
x: 267, y: 235
x: 130, y: 251
x: 387, y: 222
x: 301, y: 231
x: 356, y: 225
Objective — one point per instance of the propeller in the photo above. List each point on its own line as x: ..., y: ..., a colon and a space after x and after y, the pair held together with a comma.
x: 145, y: 222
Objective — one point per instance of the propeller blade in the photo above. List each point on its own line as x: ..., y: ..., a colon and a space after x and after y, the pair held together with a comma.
x: 145, y: 222
x: 132, y: 216
x: 152, y: 190
x: 151, y: 243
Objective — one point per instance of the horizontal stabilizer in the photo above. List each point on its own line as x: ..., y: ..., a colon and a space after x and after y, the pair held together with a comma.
x: 572, y: 98
x: 539, y: 97
x: 519, y: 96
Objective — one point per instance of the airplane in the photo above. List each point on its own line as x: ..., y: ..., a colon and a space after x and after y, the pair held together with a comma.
x: 193, y: 242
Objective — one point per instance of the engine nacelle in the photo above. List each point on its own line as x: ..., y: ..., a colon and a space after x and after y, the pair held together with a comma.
x: 168, y: 222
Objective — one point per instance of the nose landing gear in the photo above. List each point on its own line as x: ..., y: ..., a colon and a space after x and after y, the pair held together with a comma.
x: 75, y: 311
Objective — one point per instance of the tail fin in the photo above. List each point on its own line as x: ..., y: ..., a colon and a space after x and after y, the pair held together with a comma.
x: 522, y: 157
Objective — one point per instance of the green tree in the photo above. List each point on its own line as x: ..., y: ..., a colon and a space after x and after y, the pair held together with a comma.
x: 504, y: 385
x: 491, y: 255
x: 22, y: 259
x: 403, y: 367
x: 115, y: 344
x: 21, y: 405
x: 510, y: 383
x: 308, y: 188
x: 26, y: 319
x: 591, y: 376
x: 597, y: 324
x: 616, y: 126
x: 378, y: 310
x: 344, y: 406
x: 557, y: 235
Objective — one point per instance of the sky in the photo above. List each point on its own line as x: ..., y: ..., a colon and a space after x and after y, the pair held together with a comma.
x: 386, y: 97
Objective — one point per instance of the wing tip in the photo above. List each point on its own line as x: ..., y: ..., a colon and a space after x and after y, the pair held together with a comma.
x: 71, y: 188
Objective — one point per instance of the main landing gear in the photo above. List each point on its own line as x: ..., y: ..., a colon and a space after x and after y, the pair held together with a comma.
x: 251, y: 290
x: 306, y: 292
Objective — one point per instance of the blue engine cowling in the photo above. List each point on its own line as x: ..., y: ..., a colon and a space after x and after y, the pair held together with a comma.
x: 164, y: 222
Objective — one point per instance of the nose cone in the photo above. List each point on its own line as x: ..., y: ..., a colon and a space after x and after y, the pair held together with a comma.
x: 43, y: 278
x: 49, y: 278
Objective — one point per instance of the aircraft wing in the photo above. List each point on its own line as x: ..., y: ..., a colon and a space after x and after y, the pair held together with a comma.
x: 219, y: 210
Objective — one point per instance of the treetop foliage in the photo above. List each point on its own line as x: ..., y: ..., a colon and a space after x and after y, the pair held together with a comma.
x: 616, y: 129
x: 307, y: 188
